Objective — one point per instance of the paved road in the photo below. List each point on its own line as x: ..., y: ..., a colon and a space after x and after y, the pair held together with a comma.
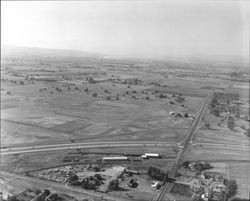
x: 199, y: 113
x: 82, y: 145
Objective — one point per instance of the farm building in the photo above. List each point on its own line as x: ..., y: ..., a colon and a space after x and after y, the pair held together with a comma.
x: 150, y: 155
x: 115, y: 158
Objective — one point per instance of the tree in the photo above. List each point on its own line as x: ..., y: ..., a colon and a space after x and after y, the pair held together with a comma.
x: 37, y: 191
x: 197, y: 198
x: 232, y: 188
x: 12, y: 198
x: 186, y: 164
x: 207, y: 125
x: 157, y: 173
x: 73, y: 178
x: 247, y: 133
x: 113, y: 184
x: 87, y: 89
x: 213, y: 103
x: 162, y: 96
x: 215, y: 112
x: 46, y: 192
x: 94, y: 94
x: 230, y: 123
x: 239, y: 199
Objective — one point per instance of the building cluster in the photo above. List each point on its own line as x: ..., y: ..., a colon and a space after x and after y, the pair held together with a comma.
x: 227, y: 106
x: 132, y: 81
x: 209, y: 188
x: 90, y: 177
x: 231, y: 109
x: 205, y: 186
x: 125, y: 158
x: 197, y: 166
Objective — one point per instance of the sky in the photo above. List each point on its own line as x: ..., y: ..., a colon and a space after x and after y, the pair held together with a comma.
x: 150, y: 29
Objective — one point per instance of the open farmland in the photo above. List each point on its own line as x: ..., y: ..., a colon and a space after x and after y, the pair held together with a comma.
x: 113, y: 107
x: 75, y: 112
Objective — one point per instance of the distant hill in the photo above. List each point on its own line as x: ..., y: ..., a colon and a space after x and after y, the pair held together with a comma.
x: 17, y: 51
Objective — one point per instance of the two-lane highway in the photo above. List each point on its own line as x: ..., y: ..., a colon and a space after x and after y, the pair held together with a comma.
x: 167, y: 187
x: 83, y: 145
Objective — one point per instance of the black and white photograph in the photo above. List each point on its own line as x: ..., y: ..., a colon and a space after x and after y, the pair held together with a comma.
x: 125, y: 100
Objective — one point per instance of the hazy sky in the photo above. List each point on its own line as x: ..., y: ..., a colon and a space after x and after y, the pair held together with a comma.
x: 131, y: 28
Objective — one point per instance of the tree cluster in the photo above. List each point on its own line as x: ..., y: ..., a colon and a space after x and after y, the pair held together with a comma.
x: 157, y: 173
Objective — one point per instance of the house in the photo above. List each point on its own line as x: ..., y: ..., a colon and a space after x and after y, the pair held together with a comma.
x: 180, y: 99
x: 132, y: 183
x: 218, y: 192
x: 156, y: 185
x: 178, y: 115
x: 90, y: 80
